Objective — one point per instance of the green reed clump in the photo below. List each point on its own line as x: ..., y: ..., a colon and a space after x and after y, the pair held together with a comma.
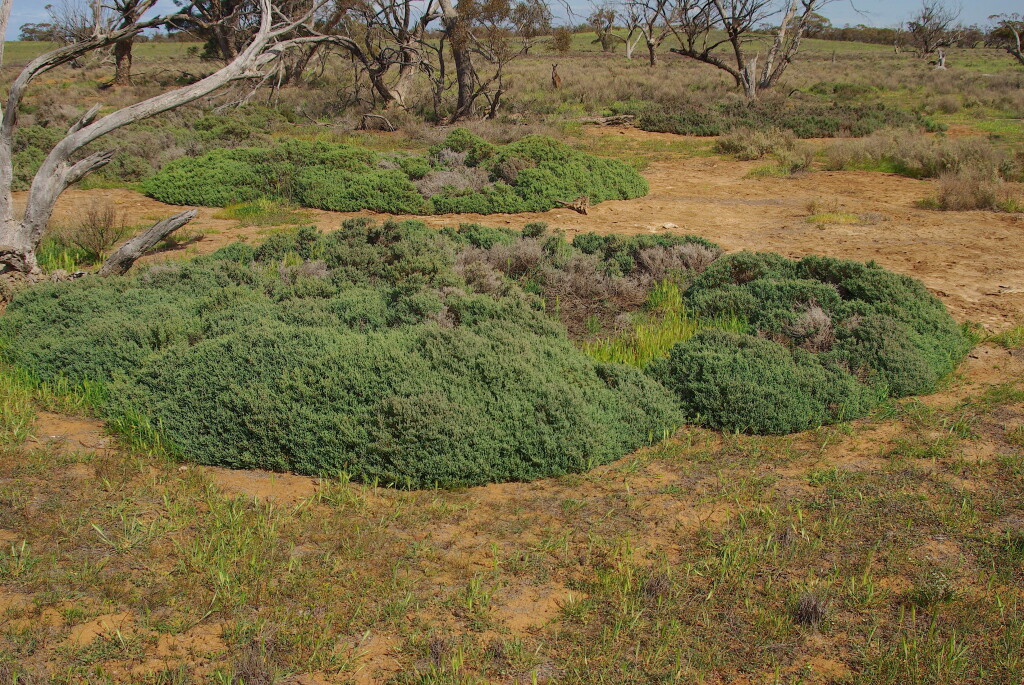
x: 665, y: 324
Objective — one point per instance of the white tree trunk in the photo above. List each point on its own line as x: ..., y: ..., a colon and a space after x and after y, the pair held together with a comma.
x: 19, y: 238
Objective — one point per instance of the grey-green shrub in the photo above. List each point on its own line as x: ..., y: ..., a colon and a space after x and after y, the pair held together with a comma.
x: 878, y: 334
x: 747, y: 383
x: 347, y: 178
x: 359, y: 351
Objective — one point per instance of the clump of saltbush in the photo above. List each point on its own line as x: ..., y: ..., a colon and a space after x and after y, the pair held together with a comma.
x: 361, y: 351
x: 828, y: 340
x: 804, y: 119
x: 419, y: 357
x: 463, y: 174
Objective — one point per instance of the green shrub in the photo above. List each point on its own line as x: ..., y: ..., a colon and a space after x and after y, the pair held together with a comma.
x: 746, y: 383
x: 829, y: 339
x: 805, y: 119
x: 393, y: 351
x: 351, y: 351
x: 481, y: 236
x: 346, y: 178
x: 31, y: 145
x: 340, y: 190
x: 620, y: 252
x: 476, y: 148
x: 213, y: 180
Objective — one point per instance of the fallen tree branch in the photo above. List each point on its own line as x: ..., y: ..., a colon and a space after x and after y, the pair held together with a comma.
x: 385, y: 124
x: 616, y: 120
x: 580, y: 204
x: 123, y: 257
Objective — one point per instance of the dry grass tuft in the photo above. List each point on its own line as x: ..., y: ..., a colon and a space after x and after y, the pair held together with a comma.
x: 813, y: 329
x: 253, y: 666
x: 810, y: 610
x: 96, y: 230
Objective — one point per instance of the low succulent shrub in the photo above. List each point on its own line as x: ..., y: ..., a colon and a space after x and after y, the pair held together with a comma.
x: 360, y: 351
x: 804, y: 119
x: 463, y: 174
x: 418, y: 357
x: 828, y: 340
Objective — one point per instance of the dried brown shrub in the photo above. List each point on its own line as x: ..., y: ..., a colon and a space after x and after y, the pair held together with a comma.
x: 478, y: 273
x: 965, y: 190
x: 508, y: 168
x: 518, y: 259
x: 749, y: 143
x: 457, y: 178
x: 97, y: 229
x: 660, y: 262
x: 813, y: 329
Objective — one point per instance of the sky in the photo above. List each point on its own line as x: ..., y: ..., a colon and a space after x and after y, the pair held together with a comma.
x: 840, y: 12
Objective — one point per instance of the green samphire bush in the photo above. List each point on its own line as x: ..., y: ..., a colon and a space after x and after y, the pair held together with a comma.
x: 419, y: 357
x: 463, y: 174
x: 359, y: 351
x: 828, y: 340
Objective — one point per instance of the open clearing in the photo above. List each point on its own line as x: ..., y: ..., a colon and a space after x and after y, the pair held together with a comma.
x: 885, y: 550
x: 906, y: 525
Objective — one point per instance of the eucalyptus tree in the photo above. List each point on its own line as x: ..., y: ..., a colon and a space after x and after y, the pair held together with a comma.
x: 704, y: 26
x: 69, y: 161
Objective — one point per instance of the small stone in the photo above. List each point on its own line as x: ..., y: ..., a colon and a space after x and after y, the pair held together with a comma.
x: 669, y: 226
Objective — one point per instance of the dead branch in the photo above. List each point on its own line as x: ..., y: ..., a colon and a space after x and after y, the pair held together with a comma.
x: 125, y: 256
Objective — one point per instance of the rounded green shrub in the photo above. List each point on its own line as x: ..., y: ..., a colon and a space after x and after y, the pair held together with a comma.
x: 347, y: 178
x: 359, y: 351
x: 829, y: 339
x: 748, y: 383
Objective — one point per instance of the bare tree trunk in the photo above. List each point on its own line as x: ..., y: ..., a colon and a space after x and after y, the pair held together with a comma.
x: 1014, y: 48
x: 749, y: 78
x: 19, y: 238
x: 406, y: 77
x: 630, y: 46
x: 463, y: 74
x: 123, y: 62
x: 123, y: 257
x: 457, y: 30
x: 652, y: 54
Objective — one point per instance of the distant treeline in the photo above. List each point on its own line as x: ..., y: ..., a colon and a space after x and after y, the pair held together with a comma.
x: 970, y: 36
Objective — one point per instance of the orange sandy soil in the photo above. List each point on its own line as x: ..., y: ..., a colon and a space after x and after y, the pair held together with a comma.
x: 657, y: 499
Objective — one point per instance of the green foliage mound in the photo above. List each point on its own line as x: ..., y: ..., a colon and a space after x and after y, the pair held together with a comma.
x: 829, y: 339
x: 464, y: 174
x: 360, y: 351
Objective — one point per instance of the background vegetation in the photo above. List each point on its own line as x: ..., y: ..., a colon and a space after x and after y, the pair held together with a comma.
x: 463, y: 174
